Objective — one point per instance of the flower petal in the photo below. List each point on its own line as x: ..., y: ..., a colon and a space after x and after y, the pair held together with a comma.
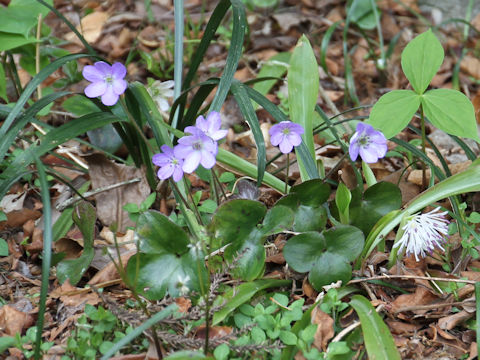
x: 276, y: 138
x: 109, y: 98
x: 368, y: 155
x: 96, y: 89
x: 191, y: 162
x: 294, y: 139
x: 177, y: 173
x: 208, y: 160
x: 92, y: 74
x: 103, y: 68
x: 285, y: 146
x: 353, y: 150
x: 119, y: 86
x: 181, y: 151
x: 165, y: 171
x: 118, y: 71
x: 160, y: 159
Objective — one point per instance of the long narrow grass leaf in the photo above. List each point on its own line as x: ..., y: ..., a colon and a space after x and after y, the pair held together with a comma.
x: 46, y: 253
x: 250, y: 116
x: 234, y: 54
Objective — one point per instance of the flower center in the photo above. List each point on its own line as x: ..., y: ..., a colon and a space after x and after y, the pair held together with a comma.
x: 286, y: 131
x: 197, y: 145
x: 109, y: 79
x: 364, y: 141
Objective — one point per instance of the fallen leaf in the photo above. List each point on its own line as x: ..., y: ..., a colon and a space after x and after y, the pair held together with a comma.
x: 451, y: 321
x: 13, y: 321
x: 91, y: 27
x: 325, y: 329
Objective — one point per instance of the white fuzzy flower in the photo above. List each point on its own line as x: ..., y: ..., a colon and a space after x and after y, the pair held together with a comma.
x: 423, y: 233
x: 160, y: 92
x: 182, y: 284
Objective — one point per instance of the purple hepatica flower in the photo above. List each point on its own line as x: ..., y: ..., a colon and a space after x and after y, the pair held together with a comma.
x: 286, y: 135
x: 369, y: 143
x: 196, y: 149
x: 210, y: 126
x: 170, y: 164
x: 106, y: 81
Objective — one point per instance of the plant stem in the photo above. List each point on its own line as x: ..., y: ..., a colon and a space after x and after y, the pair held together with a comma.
x: 178, y: 56
x: 424, y: 139
x: 194, y: 206
x: 37, y: 54
x: 135, y: 125
x: 286, y: 176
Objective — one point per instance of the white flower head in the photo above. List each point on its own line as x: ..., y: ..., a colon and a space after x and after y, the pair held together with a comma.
x: 423, y: 233
x: 160, y: 92
x: 182, y: 284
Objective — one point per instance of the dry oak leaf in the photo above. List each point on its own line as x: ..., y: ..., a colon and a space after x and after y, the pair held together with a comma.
x: 13, y: 321
x: 325, y: 329
x: 91, y: 27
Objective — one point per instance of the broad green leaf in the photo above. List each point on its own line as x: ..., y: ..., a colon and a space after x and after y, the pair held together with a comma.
x: 21, y: 15
x: 6, y: 342
x: 278, y: 218
x: 158, y: 234
x: 188, y: 355
x: 362, y: 14
x: 79, y: 105
x: 84, y: 217
x: 378, y: 200
x: 10, y: 41
x: 451, y: 111
x: 239, y: 295
x: 393, y: 111
x: 3, y: 247
x: 421, y: 59
x: 303, y: 85
x: 378, y: 339
x: 343, y: 196
x: 313, y: 192
x: 326, y: 255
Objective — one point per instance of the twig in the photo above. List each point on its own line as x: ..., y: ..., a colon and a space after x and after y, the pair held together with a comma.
x: 75, y: 199
x: 415, y: 277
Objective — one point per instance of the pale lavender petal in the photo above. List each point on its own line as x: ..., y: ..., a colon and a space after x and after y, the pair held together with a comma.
x: 201, y: 123
x: 103, y: 68
x: 294, y: 139
x: 367, y: 155
x: 353, y: 150
x: 167, y: 150
x: 119, y: 86
x: 181, y: 151
x: 214, y: 121
x: 192, y: 130
x: 276, y: 138
x: 119, y: 70
x: 177, y: 173
x: 92, y: 74
x: 209, y: 145
x: 361, y: 127
x: 219, y: 134
x: 297, y: 128
x: 165, y: 171
x: 191, y: 162
x: 285, y: 146
x: 160, y: 159
x: 162, y: 104
x: 208, y: 159
x: 95, y: 89
x: 109, y: 98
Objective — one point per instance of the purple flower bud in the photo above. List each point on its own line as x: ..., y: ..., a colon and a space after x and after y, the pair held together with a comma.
x: 106, y: 81
x: 369, y: 143
x: 170, y: 164
x: 286, y: 135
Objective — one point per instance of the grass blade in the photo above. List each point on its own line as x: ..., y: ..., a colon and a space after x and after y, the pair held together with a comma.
x: 378, y: 339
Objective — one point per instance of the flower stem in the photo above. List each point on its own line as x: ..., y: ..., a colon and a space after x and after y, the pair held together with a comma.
x: 286, y: 176
x: 424, y: 139
x: 135, y: 125
x: 194, y: 206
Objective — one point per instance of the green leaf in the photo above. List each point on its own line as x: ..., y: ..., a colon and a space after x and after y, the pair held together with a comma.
x: 234, y: 54
x: 343, y: 196
x: 421, y: 59
x: 402, y: 103
x: 278, y: 218
x: 10, y: 41
x: 3, y: 84
x: 303, y: 85
x: 84, y: 217
x: 378, y: 339
x: 3, y: 247
x: 188, y: 355
x: 288, y: 338
x: 6, y: 342
x: 20, y: 16
x: 156, y: 232
x: 221, y: 352
x: 79, y: 105
x: 378, y: 200
x: 451, y: 111
x: 361, y: 13
x: 239, y: 295
x: 326, y: 255
x: 276, y: 67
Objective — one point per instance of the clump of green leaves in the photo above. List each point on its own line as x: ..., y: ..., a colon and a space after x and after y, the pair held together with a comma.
x: 96, y: 332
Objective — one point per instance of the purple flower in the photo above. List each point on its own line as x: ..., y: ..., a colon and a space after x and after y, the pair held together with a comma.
x: 210, y: 126
x: 106, y: 81
x: 286, y: 135
x: 196, y: 149
x: 170, y: 164
x: 369, y: 143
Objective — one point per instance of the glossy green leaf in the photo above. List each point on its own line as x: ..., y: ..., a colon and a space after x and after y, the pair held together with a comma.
x: 326, y: 255
x: 393, y: 111
x: 303, y: 85
x: 378, y: 339
x: 421, y: 59
x: 239, y: 295
x: 278, y: 218
x: 188, y: 355
x: 378, y: 200
x: 451, y: 111
x: 313, y: 192
x: 158, y: 234
x: 20, y: 16
x: 84, y: 217
x: 6, y: 342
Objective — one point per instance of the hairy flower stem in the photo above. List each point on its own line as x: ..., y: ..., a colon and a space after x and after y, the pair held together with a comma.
x: 424, y: 139
x: 217, y: 180
x: 194, y: 207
